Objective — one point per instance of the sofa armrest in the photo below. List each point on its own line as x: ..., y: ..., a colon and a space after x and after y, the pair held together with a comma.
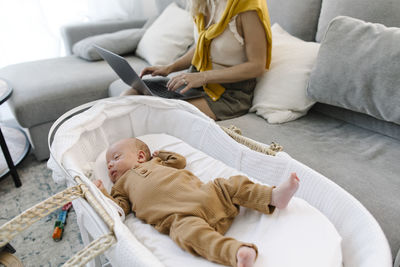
x: 76, y: 32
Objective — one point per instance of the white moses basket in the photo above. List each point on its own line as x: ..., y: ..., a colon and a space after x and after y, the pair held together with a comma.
x: 82, y: 134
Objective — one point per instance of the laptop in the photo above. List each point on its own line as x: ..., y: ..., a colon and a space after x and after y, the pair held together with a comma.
x: 131, y: 78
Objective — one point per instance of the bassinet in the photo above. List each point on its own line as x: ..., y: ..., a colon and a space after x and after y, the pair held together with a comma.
x: 78, y: 139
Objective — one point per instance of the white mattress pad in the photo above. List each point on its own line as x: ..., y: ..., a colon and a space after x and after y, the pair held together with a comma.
x: 298, y: 235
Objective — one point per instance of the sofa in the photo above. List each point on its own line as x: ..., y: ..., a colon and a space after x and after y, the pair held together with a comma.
x: 355, y: 148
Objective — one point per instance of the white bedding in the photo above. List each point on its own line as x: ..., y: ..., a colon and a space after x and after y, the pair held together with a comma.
x: 298, y: 236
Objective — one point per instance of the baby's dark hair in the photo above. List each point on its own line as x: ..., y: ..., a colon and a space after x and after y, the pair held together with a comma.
x: 140, y: 145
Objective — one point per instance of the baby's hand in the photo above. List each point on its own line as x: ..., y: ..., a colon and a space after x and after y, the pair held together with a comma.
x: 155, y: 153
x: 99, y: 184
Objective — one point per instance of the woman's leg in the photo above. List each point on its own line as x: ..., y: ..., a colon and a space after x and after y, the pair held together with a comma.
x: 201, y: 104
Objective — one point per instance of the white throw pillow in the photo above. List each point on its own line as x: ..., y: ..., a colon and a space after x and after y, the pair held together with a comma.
x: 280, y: 93
x: 168, y: 38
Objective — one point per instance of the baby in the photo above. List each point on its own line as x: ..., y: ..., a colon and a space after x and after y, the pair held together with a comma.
x: 195, y: 215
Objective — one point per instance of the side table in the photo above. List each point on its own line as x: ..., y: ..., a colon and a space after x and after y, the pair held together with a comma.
x: 5, y: 132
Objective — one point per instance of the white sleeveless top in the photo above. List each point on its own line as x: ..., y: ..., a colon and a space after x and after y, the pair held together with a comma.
x: 228, y: 48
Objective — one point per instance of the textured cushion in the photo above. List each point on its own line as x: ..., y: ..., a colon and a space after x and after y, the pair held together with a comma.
x: 299, y: 18
x: 280, y: 94
x: 358, y: 68
x: 362, y: 162
x: 120, y: 42
x: 382, y: 11
x: 44, y: 89
x: 168, y: 37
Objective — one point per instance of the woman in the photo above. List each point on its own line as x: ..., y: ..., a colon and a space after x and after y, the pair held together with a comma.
x: 233, y: 47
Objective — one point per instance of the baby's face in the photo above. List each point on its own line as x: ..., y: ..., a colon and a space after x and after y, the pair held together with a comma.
x: 120, y: 157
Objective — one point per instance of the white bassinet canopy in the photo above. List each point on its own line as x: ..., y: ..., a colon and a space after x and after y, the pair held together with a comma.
x: 80, y: 139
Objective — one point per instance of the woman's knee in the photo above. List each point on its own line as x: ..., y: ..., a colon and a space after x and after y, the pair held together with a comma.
x: 203, y: 106
x: 130, y: 91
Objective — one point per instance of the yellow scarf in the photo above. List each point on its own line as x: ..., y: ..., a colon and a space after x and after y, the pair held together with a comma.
x: 201, y: 59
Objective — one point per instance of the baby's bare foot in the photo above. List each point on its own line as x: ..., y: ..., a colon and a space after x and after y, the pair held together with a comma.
x: 282, y: 194
x: 246, y: 256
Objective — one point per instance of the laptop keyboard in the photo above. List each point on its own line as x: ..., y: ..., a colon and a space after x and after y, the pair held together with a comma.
x: 161, y: 90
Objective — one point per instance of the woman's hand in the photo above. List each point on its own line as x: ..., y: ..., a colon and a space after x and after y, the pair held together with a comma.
x: 156, y: 71
x: 189, y: 80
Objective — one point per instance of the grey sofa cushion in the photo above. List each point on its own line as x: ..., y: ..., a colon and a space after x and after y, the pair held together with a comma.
x: 358, y: 68
x: 73, y: 33
x: 117, y: 87
x: 364, y: 163
x: 360, y: 119
x: 162, y: 4
x: 120, y: 42
x: 44, y: 89
x: 382, y: 11
x: 299, y: 18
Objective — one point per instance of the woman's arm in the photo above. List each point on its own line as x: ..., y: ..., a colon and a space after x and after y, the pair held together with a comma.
x: 184, y: 61
x: 181, y: 63
x: 255, y: 42
x: 256, y: 51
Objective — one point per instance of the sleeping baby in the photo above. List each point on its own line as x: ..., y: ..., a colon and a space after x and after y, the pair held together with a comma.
x: 194, y: 214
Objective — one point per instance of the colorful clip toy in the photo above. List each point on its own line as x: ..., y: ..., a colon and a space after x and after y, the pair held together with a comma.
x: 61, y: 221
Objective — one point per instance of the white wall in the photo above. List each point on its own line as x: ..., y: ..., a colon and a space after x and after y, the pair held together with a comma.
x: 121, y: 9
x: 30, y: 29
